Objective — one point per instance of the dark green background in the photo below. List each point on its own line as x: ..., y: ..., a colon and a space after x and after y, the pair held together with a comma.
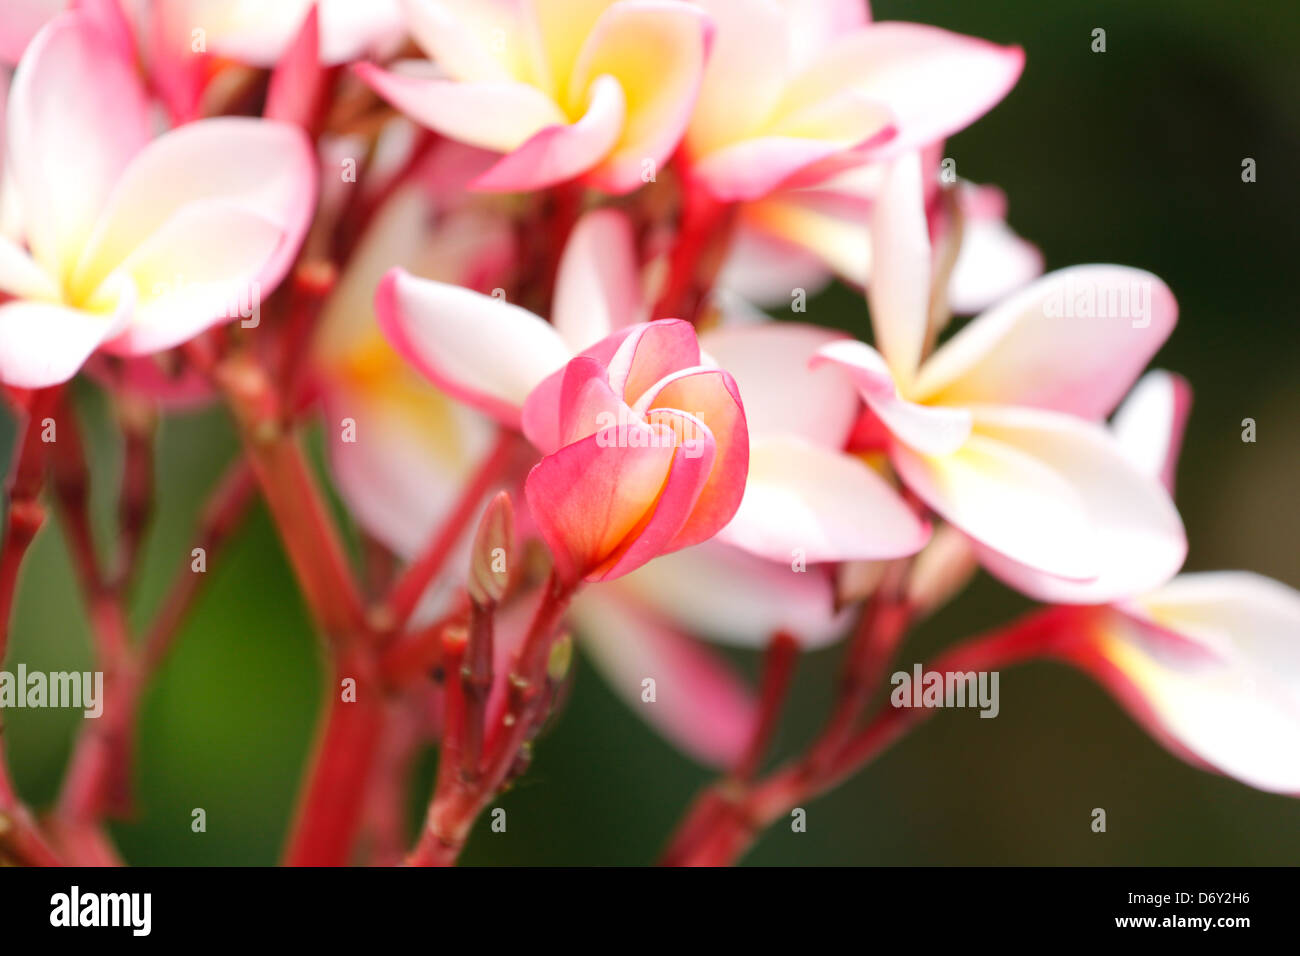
x: 1131, y: 156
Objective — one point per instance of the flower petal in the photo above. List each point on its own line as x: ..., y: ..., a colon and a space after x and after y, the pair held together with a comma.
x: 899, y: 291
x: 253, y: 165
x: 728, y: 595
x: 1149, y: 425
x: 1133, y: 529
x: 561, y: 152
x: 43, y: 344
x: 700, y: 704
x: 1074, y: 341
x: 1235, y: 707
x: 806, y: 501
x: 598, y: 287
x: 655, y: 51
x: 21, y: 276
x: 484, y: 351
x: 77, y: 117
x: 475, y: 41
x: 500, y: 115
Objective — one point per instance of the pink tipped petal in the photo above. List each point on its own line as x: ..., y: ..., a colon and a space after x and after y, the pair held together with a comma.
x: 708, y: 398
x: 77, y: 116
x: 43, y: 344
x: 1135, y: 533
x: 590, y: 498
x: 730, y: 596
x: 1074, y: 341
x: 252, y: 165
x: 935, y: 82
x: 1149, y: 425
x: 298, y: 81
x: 484, y: 351
x: 561, y: 152
x: 700, y: 704
x: 598, y: 288
x: 899, y: 292
x: 655, y: 51
x: 806, y: 502
x: 1008, y: 501
x: 1234, y: 708
x: 781, y: 393
x: 500, y: 116
x: 651, y: 352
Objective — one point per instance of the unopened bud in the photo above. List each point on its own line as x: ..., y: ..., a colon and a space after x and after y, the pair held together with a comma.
x: 489, y: 563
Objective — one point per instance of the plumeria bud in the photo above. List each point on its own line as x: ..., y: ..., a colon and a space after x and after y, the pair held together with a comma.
x: 489, y: 567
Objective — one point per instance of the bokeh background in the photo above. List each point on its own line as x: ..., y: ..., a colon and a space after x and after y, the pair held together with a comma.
x: 1132, y: 156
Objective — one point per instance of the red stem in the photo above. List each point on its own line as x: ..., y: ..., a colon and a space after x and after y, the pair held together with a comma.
x: 696, y: 256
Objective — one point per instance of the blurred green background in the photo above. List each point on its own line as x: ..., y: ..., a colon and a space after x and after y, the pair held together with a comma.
x: 1132, y: 156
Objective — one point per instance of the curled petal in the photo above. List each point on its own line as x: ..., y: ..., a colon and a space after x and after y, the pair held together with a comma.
x: 1149, y: 425
x: 899, y: 293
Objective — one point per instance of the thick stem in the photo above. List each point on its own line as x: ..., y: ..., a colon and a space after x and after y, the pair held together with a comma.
x: 696, y: 257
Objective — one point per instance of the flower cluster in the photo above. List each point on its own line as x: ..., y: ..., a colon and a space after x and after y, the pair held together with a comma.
x: 511, y: 256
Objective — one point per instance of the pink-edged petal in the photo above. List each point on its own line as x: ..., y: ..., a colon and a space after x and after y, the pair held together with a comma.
x: 1131, y: 526
x: 813, y: 26
x: 1007, y: 501
x: 540, y: 418
x: 781, y: 393
x: 77, y: 116
x: 561, y: 152
x: 255, y: 166
x: 710, y: 397
x: 43, y: 344
x: 1074, y: 341
x: 1149, y: 426
x: 649, y: 353
x: 930, y: 430
x: 482, y: 350
x: 500, y: 116
x: 1230, y: 701
x: 655, y: 51
x: 805, y: 501
x: 591, y: 498
x: 752, y: 168
x: 202, y: 268
x: 700, y: 704
x: 933, y: 81
x: 598, y: 287
x: 899, y: 292
x: 730, y: 596
x: 297, y: 85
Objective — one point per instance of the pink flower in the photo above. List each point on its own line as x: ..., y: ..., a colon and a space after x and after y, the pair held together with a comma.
x: 792, y: 83
x: 591, y: 89
x: 133, y: 246
x: 1209, y: 662
x: 645, y: 451
x: 996, y: 431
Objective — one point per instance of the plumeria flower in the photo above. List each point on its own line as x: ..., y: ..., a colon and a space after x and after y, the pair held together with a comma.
x: 792, y: 82
x: 813, y: 228
x: 997, y: 430
x: 562, y: 88
x: 1210, y: 662
x: 133, y: 245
